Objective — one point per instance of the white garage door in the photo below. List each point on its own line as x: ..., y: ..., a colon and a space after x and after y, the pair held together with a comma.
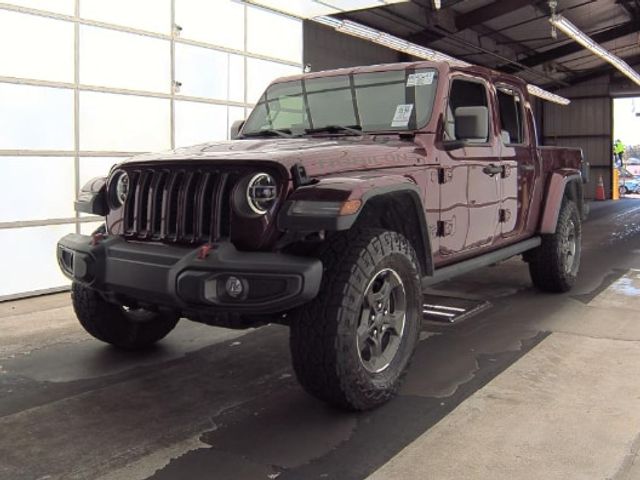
x: 85, y: 83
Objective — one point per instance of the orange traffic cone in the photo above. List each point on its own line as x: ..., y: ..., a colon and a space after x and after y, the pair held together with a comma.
x: 600, y: 189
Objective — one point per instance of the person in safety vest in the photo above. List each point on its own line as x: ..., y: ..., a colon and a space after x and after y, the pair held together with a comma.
x: 618, y: 152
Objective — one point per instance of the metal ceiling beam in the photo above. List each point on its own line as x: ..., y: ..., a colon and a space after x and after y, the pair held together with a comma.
x: 573, y: 47
x: 483, y: 50
x: 632, y: 8
x: 426, y: 36
x: 434, y: 32
x: 483, y: 14
x: 444, y: 24
x: 503, y: 40
x: 438, y: 25
x: 600, y: 71
x: 429, y: 3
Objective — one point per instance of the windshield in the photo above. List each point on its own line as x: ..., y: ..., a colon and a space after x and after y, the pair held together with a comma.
x: 379, y: 101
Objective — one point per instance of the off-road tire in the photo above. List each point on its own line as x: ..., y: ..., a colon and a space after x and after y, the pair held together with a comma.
x: 548, y: 262
x: 324, y: 345
x: 110, y: 323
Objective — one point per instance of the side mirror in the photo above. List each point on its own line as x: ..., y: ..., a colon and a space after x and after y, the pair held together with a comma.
x: 472, y: 124
x: 234, y: 131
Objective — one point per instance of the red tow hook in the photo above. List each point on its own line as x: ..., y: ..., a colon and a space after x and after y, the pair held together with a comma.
x: 96, y: 238
x: 205, y: 250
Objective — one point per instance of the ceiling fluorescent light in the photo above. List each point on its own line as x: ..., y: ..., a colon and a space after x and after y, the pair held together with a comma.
x: 390, y: 41
x: 356, y: 29
x: 587, y: 42
x: 294, y: 8
x: 314, y: 8
x: 543, y: 94
x: 346, y: 5
x: 330, y: 22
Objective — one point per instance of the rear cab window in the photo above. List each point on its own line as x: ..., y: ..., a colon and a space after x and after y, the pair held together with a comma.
x: 511, y: 113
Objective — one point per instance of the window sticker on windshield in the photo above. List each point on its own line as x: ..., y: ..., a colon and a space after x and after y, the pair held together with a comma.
x: 421, y: 78
x: 403, y: 115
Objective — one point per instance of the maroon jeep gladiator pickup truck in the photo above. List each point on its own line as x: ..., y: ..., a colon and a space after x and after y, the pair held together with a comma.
x: 340, y: 198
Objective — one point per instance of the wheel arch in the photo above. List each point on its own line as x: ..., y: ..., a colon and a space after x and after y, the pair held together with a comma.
x: 566, y: 183
x: 402, y: 212
x: 393, y: 205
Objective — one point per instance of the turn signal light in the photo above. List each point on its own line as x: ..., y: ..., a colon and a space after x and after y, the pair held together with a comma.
x: 350, y: 207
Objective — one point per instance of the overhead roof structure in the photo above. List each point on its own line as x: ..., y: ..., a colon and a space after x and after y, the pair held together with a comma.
x: 515, y: 36
x: 382, y: 38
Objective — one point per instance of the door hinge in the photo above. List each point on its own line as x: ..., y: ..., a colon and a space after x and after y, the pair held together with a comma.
x: 444, y: 228
x: 444, y: 175
x: 504, y: 215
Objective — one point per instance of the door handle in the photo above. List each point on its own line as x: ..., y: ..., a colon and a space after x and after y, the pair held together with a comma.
x: 492, y: 169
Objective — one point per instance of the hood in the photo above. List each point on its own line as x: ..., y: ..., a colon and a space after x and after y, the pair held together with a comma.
x: 319, y: 156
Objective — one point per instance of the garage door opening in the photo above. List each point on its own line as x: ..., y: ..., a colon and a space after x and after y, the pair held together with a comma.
x: 626, y: 145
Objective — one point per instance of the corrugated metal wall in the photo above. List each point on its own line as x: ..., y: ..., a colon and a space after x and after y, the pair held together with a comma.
x: 325, y: 49
x: 586, y: 123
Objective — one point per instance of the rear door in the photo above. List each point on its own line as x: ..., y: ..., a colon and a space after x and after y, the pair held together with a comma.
x: 518, y: 160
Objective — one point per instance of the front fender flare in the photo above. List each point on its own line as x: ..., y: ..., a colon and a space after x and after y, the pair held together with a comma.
x: 342, y: 190
x: 92, y: 198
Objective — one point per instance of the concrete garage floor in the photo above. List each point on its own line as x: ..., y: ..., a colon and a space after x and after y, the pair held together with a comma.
x: 537, y: 386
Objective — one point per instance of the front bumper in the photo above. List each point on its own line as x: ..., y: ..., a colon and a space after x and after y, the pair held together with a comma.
x: 189, y: 279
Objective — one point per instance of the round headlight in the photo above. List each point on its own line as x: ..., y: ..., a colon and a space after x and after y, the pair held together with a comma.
x: 119, y: 188
x: 262, y: 193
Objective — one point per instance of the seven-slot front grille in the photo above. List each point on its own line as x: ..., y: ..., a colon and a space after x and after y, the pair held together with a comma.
x: 178, y: 205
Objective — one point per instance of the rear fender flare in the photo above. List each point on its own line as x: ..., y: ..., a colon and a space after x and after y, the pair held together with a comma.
x: 559, y: 183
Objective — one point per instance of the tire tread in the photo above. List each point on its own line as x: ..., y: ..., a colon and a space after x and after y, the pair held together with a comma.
x: 545, y: 266
x: 314, y: 335
x: 108, y: 322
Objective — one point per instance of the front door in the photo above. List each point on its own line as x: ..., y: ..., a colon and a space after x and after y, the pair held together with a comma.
x: 470, y: 190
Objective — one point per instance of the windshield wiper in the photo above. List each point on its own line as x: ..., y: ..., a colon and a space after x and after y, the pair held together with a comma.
x: 270, y: 132
x: 352, y: 129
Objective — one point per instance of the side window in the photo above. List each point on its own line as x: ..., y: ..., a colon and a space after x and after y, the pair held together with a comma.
x: 511, y: 116
x: 467, y: 113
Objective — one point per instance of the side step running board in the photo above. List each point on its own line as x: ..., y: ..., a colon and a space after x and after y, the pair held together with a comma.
x: 466, y: 266
x: 447, y: 309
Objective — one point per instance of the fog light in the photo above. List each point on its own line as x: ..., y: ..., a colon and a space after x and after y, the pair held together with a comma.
x: 234, y: 287
x: 66, y: 260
